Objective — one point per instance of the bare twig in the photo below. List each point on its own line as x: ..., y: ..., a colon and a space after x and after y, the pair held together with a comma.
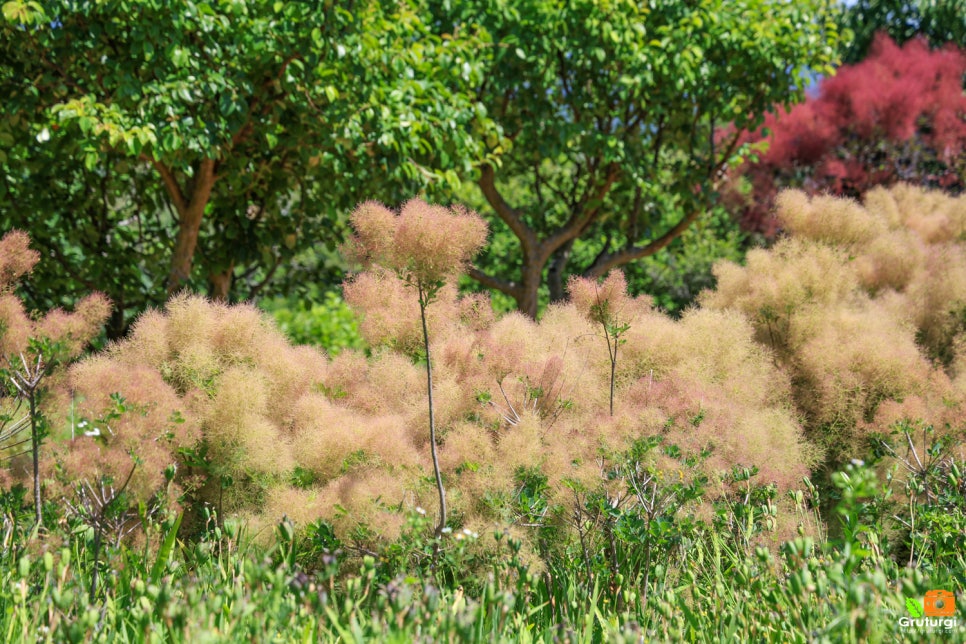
x: 27, y: 382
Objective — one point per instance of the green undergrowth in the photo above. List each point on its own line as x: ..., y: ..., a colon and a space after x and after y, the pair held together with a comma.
x: 657, y: 576
x: 325, y: 321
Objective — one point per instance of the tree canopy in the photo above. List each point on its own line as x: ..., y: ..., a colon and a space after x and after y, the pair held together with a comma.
x: 938, y: 21
x: 219, y: 138
x: 610, y: 113
x: 152, y: 145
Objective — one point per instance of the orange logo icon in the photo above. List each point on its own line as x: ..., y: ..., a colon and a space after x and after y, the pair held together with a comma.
x: 939, y: 603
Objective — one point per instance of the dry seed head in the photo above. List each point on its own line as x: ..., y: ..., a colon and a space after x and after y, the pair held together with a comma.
x: 147, y: 342
x: 423, y: 244
x: 375, y: 227
x: 15, y: 327
x: 16, y: 258
x: 835, y: 221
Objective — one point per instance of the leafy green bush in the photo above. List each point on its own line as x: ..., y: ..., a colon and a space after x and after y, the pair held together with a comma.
x: 328, y: 324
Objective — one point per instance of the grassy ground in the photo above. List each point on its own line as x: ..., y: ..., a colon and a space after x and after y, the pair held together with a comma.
x: 73, y: 582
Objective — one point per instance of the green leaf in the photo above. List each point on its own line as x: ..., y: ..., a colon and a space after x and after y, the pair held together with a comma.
x: 24, y: 13
x: 180, y: 56
x: 914, y: 607
x: 164, y: 553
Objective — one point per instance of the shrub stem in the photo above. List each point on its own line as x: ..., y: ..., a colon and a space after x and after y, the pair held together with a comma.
x: 27, y: 382
x: 423, y: 302
x: 612, y: 352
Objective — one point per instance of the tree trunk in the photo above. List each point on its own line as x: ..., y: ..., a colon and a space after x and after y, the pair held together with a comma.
x: 116, y: 327
x: 220, y: 283
x: 555, y: 273
x: 191, y: 214
x: 537, y: 253
x: 528, y: 297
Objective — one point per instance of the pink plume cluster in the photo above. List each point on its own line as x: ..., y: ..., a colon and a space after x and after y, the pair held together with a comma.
x: 423, y: 243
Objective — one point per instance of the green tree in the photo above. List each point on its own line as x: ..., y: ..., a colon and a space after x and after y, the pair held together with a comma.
x: 939, y: 21
x: 219, y: 138
x: 611, y: 113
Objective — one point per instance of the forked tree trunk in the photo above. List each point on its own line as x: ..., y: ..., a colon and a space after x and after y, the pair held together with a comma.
x: 191, y: 211
x: 537, y: 253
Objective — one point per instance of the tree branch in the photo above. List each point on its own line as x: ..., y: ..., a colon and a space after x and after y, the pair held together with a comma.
x: 170, y: 185
x: 510, y: 216
x: 580, y: 218
x: 254, y: 290
x: 504, y: 286
x: 606, y: 262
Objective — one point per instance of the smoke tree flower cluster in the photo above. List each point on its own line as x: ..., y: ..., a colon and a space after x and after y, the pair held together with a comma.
x: 606, y: 305
x: 72, y: 330
x: 423, y: 246
x: 863, y: 306
x: 30, y: 348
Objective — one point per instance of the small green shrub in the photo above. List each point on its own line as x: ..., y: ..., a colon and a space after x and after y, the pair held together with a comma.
x: 328, y: 324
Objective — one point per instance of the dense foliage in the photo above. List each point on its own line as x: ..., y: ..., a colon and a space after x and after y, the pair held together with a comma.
x: 609, y: 112
x: 938, y: 21
x: 213, y: 141
x: 780, y: 458
x: 602, y: 459
x: 217, y: 141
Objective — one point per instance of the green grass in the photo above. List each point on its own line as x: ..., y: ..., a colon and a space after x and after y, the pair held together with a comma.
x: 655, y: 570
x: 221, y: 587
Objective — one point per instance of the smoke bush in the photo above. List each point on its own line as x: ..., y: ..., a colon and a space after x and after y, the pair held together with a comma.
x: 863, y: 306
x: 897, y: 116
x: 832, y: 335
x: 70, y: 331
x: 32, y: 348
x: 216, y: 397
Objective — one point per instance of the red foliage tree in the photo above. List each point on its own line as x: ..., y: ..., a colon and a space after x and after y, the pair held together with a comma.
x: 899, y: 115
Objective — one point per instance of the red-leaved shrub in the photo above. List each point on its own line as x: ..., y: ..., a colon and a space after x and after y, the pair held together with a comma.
x: 895, y: 117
